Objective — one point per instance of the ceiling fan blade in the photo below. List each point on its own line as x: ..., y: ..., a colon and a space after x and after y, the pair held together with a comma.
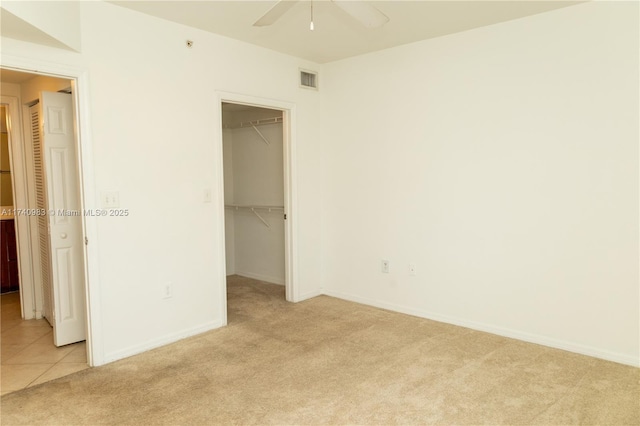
x: 362, y: 11
x: 273, y: 14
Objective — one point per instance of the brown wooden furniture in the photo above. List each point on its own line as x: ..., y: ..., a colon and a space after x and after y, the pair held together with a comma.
x: 9, y: 280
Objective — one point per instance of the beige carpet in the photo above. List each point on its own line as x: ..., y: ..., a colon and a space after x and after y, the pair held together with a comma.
x: 327, y: 361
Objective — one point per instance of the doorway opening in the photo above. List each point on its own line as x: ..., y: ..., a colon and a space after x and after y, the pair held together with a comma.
x: 257, y: 160
x: 9, y: 276
x: 47, y: 218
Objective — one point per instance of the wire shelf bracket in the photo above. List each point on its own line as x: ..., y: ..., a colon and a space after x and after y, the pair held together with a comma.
x: 261, y: 135
x: 254, y: 209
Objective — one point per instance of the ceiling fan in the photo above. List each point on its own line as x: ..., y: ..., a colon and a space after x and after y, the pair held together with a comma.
x: 361, y: 11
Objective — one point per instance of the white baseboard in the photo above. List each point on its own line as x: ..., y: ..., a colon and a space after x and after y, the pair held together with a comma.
x: 265, y: 278
x: 310, y: 295
x: 162, y: 341
x: 501, y: 331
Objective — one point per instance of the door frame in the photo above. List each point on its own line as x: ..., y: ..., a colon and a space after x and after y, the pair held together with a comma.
x: 290, y: 193
x: 18, y: 161
x: 79, y: 78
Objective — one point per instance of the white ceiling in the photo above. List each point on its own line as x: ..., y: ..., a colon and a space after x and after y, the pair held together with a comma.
x: 13, y: 27
x: 337, y: 35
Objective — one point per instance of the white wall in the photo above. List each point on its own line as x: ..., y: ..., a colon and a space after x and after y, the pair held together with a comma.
x: 10, y: 89
x: 156, y: 140
x: 503, y: 162
x: 256, y: 171
x: 30, y: 89
x: 229, y: 217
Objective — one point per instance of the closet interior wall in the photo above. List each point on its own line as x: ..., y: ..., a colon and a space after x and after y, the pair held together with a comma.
x: 253, y: 176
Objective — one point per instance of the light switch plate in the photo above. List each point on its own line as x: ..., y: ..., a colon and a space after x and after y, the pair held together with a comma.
x: 111, y: 200
x: 206, y: 195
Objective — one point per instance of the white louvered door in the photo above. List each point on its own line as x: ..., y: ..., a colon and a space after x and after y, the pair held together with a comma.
x: 65, y: 276
x: 41, y: 205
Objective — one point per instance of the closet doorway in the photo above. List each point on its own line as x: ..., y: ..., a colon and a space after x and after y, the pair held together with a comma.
x: 258, y: 193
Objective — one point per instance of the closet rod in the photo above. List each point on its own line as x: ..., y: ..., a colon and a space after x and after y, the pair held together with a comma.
x: 259, y: 207
x: 254, y: 123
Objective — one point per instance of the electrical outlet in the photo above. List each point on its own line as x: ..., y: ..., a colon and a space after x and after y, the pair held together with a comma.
x: 167, y: 291
x: 385, y: 266
x: 412, y: 269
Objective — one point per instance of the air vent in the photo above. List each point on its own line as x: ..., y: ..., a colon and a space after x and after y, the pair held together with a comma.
x: 309, y: 79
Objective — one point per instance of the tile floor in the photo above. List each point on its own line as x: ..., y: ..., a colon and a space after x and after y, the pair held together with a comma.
x: 28, y: 355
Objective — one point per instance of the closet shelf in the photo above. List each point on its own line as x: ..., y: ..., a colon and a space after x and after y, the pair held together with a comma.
x: 254, y: 123
x: 253, y: 209
x: 252, y: 206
